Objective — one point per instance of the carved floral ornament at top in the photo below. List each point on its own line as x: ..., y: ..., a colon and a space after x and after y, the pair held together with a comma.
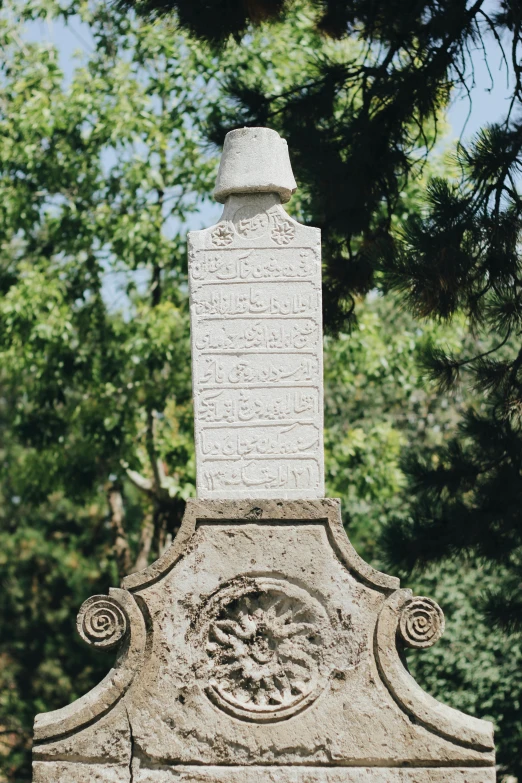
x: 222, y: 235
x: 283, y: 231
x: 251, y: 222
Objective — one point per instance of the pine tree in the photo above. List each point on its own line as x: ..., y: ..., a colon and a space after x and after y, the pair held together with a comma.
x: 361, y: 125
x: 463, y: 255
x: 357, y: 128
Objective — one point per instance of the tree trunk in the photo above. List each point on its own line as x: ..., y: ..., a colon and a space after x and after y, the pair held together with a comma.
x: 146, y: 537
x: 117, y: 519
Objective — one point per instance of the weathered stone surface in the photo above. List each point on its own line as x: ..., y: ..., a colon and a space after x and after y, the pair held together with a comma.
x: 79, y: 772
x: 184, y: 774
x: 92, y: 706
x: 255, y: 285
x: 107, y: 740
x: 269, y: 643
x: 259, y: 648
x: 254, y: 160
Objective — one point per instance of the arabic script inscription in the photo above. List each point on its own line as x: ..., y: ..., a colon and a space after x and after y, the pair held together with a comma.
x: 255, y: 285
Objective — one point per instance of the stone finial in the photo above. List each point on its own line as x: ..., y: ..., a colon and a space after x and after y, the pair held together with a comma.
x: 254, y: 160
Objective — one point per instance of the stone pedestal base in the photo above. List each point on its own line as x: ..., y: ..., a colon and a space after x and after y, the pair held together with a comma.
x: 66, y: 772
x: 261, y: 648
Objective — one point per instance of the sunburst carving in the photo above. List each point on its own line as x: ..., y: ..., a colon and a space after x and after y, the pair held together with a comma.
x: 265, y: 649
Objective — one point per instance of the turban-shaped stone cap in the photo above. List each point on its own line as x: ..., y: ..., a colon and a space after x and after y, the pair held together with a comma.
x: 254, y: 160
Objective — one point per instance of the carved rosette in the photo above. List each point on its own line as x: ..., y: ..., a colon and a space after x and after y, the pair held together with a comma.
x: 102, y: 622
x: 222, y: 235
x: 282, y: 230
x: 265, y: 641
x: 421, y: 622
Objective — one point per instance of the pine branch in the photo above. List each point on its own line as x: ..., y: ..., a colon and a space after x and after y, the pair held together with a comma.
x: 503, y: 607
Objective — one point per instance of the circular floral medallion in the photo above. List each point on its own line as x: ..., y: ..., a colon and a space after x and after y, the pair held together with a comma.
x: 222, y: 235
x: 250, y: 222
x: 265, y: 643
x: 283, y: 231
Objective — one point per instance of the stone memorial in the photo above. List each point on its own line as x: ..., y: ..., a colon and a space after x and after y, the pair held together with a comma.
x: 259, y: 647
x: 255, y: 283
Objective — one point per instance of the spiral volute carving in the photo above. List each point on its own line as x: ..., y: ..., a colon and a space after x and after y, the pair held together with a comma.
x: 421, y: 622
x: 101, y: 621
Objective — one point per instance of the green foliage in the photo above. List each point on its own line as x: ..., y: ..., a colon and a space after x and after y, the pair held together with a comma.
x: 473, y: 668
x: 361, y: 120
x: 100, y: 177
x: 380, y: 412
x: 376, y: 408
x: 95, y: 176
x: 52, y: 555
x: 463, y: 256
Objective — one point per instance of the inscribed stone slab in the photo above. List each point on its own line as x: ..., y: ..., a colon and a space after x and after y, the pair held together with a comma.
x: 255, y: 285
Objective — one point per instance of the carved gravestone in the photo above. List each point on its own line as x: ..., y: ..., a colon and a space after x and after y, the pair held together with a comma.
x: 255, y: 282
x: 260, y: 647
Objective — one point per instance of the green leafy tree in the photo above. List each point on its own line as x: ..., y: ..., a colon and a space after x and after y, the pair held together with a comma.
x: 379, y: 410
x: 100, y: 178
x: 376, y: 409
x: 97, y: 457
x: 357, y: 123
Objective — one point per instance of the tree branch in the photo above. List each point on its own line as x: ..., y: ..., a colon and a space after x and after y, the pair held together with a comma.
x: 117, y: 519
x: 139, y: 481
x: 146, y: 538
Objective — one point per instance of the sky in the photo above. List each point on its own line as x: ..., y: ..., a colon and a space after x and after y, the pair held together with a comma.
x: 489, y: 97
x: 486, y: 103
